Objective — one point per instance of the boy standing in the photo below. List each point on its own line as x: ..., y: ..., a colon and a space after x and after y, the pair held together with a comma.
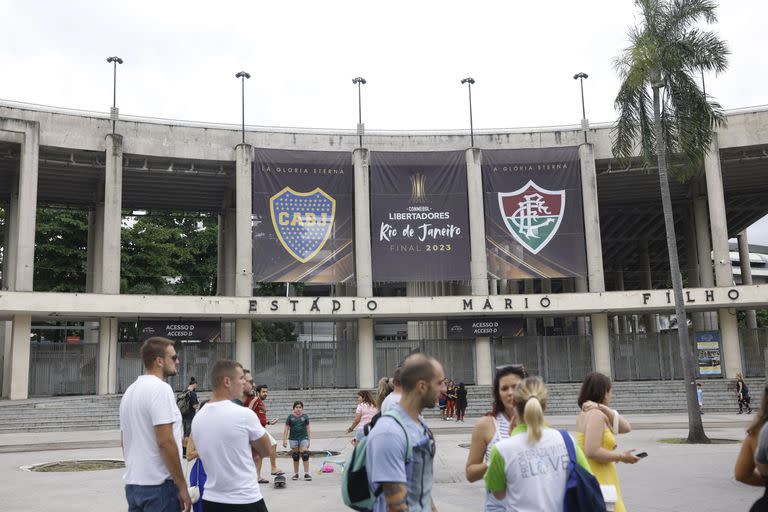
x: 297, y: 431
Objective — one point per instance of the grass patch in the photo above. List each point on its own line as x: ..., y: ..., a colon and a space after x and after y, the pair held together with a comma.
x: 684, y: 440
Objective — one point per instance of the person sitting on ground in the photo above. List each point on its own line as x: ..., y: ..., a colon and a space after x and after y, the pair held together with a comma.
x: 493, y: 427
x: 745, y: 470
x: 365, y: 411
x: 397, y: 392
x: 297, y: 431
x: 531, y: 445
x: 597, y: 425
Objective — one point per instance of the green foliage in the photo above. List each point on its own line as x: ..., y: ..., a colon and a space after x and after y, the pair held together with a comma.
x: 274, y: 331
x: 61, y: 241
x: 668, y: 51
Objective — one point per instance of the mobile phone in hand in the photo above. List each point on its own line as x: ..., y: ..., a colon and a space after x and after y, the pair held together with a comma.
x: 642, y: 455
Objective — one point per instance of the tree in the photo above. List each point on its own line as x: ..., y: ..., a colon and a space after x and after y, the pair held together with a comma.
x: 61, y: 240
x: 666, y: 53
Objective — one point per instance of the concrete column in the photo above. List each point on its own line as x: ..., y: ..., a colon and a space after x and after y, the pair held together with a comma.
x: 581, y: 323
x: 646, y: 282
x: 112, y: 217
x: 746, y: 274
x: 91, y: 334
x: 549, y: 321
x: 600, y: 336
x: 530, y: 322
x: 478, y: 262
x: 19, y: 252
x: 243, y: 270
x: 692, y: 263
x: 704, y: 251
x: 105, y: 254
x: 729, y: 332
x: 366, y: 349
x: 19, y: 376
x: 107, y: 363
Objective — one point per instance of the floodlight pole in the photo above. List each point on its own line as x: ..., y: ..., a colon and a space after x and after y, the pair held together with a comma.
x: 113, y: 113
x: 242, y: 75
x: 469, y: 81
x: 580, y: 77
x: 359, y: 81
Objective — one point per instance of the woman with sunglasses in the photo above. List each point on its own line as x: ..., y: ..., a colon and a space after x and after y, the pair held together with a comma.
x: 494, y: 426
x: 520, y: 471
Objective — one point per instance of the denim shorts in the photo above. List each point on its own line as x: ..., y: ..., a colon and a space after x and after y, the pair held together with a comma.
x: 302, y: 445
x: 153, y: 498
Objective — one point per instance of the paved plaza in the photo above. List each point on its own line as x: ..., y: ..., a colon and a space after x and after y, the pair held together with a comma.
x: 672, y: 478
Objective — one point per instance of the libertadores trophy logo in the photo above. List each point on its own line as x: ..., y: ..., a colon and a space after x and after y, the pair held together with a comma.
x: 418, y: 188
x: 532, y: 214
x: 302, y: 220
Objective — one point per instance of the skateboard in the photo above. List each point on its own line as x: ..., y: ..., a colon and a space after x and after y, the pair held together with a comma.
x: 279, y: 481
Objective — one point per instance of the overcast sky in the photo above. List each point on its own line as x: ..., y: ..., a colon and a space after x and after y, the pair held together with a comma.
x: 181, y: 57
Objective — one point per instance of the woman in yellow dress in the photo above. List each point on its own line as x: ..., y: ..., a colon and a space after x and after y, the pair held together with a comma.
x: 596, y: 427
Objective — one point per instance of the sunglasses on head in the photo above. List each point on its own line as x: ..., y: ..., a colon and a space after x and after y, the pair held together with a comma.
x: 517, y: 368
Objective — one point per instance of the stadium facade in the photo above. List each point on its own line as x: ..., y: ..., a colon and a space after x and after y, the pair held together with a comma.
x: 534, y: 246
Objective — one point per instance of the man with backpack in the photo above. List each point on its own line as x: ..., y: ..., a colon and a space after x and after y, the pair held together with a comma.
x: 400, y: 447
x: 188, y: 404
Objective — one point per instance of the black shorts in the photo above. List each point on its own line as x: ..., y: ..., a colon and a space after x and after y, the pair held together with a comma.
x: 210, y: 506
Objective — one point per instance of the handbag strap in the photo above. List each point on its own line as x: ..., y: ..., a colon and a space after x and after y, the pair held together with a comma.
x: 571, y: 451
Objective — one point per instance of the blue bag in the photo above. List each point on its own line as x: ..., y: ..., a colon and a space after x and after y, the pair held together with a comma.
x: 582, y: 490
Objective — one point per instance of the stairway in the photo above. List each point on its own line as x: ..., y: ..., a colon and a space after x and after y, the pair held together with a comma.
x: 101, y: 412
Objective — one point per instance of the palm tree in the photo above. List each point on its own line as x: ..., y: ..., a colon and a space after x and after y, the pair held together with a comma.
x: 664, y: 112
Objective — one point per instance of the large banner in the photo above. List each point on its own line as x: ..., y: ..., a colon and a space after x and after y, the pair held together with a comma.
x: 419, y: 216
x: 184, y: 331
x: 303, y: 224
x: 534, y: 223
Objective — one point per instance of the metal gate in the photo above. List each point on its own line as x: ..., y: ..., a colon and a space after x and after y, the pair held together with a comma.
x: 553, y: 358
x: 62, y: 369
x: 647, y: 356
x: 754, y: 351
x: 195, y: 360
x: 456, y: 355
x: 305, y: 364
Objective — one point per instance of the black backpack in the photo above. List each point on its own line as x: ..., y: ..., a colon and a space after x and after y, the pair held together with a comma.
x: 182, y: 402
x: 582, y: 490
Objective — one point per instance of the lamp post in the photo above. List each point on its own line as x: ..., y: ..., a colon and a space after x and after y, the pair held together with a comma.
x: 113, y: 113
x: 580, y: 77
x: 359, y: 81
x: 242, y: 75
x: 469, y: 81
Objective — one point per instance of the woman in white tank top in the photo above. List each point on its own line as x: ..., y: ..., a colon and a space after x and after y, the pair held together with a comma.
x: 493, y: 427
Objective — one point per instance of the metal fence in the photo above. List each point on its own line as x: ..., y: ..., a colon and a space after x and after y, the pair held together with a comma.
x: 553, y: 358
x: 305, y: 364
x: 195, y: 360
x: 456, y: 356
x: 754, y: 351
x: 62, y: 369
x: 647, y: 356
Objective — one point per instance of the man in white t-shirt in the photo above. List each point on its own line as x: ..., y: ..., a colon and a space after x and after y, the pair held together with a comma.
x: 228, y: 437
x: 151, y: 431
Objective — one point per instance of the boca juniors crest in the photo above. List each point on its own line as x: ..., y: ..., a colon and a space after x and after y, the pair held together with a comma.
x: 302, y: 220
x: 532, y: 214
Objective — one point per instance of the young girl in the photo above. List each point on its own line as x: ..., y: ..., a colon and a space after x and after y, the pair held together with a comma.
x: 298, y: 433
x: 365, y: 411
x: 520, y: 468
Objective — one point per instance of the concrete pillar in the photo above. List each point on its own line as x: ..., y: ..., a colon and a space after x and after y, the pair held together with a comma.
x: 646, y: 282
x: 19, y: 252
x: 601, y: 350
x: 704, y: 251
x: 530, y: 322
x: 729, y: 332
x: 243, y: 271
x: 21, y: 329
x: 366, y: 349
x: 105, y: 236
x: 107, y: 363
x: 478, y: 262
x: 493, y: 287
x: 549, y: 321
x: 692, y: 263
x: 581, y: 322
x: 746, y: 274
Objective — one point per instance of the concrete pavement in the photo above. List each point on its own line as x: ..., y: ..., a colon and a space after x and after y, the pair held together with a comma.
x: 672, y: 478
